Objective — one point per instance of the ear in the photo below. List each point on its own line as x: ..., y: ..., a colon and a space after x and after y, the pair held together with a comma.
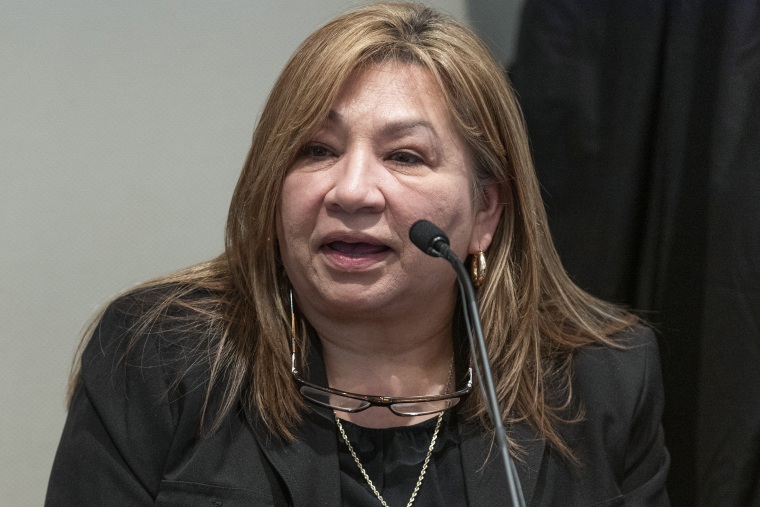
x: 486, y: 219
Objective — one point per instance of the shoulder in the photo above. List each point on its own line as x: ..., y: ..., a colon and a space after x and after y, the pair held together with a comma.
x: 136, y: 411
x: 149, y: 328
x: 618, y: 374
x: 620, y: 383
x: 145, y: 353
x: 619, y: 391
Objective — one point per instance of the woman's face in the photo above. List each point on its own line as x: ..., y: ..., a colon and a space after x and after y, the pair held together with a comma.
x: 386, y: 156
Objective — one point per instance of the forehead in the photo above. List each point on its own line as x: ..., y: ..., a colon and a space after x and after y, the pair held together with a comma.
x: 395, y: 91
x: 391, y: 75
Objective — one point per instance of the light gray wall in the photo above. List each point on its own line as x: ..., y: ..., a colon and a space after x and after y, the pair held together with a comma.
x: 123, y: 126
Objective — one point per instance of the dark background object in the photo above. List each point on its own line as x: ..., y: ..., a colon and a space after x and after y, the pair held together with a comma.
x: 644, y: 118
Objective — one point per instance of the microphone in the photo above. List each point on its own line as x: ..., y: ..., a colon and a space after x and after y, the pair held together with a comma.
x: 433, y: 241
x: 429, y: 238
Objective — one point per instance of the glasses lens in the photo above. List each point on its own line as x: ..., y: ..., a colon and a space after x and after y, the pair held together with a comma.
x: 424, y: 407
x: 334, y: 401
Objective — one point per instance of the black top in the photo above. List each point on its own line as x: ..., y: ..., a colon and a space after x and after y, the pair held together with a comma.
x: 131, y: 437
x: 393, y: 459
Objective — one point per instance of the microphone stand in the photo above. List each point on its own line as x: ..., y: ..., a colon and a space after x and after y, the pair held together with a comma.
x: 431, y: 240
x: 486, y: 379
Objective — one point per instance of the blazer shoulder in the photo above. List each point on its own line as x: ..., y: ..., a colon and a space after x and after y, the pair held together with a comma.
x: 148, y: 328
x: 136, y: 406
x: 146, y: 356
x: 621, y: 368
x: 619, y: 390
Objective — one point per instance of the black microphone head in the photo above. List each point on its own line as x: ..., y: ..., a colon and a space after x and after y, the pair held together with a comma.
x: 427, y: 236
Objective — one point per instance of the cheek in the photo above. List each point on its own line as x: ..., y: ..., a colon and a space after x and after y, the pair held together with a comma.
x: 451, y: 208
x: 302, y: 197
x: 296, y: 217
x: 289, y: 200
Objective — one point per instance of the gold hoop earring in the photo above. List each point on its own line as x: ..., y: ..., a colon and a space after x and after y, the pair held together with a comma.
x: 478, y: 268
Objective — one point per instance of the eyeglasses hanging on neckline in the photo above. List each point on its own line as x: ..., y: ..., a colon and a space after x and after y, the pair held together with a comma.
x: 345, y: 401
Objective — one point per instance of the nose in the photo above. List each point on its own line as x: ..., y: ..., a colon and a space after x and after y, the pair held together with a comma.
x: 356, y: 186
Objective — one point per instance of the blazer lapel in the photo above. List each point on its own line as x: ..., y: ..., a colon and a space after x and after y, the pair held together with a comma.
x: 484, y: 476
x: 309, y: 464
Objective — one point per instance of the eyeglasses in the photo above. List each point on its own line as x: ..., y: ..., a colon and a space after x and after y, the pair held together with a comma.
x: 345, y: 401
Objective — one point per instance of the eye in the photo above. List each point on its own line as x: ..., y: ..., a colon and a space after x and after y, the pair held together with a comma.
x: 315, y: 150
x: 406, y: 158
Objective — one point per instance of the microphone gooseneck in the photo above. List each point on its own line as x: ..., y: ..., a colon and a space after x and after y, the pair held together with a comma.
x: 433, y: 241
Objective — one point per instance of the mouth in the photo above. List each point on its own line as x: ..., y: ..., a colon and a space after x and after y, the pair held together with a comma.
x: 356, y: 249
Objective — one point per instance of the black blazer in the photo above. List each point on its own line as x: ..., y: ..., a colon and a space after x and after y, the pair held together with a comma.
x: 131, y: 437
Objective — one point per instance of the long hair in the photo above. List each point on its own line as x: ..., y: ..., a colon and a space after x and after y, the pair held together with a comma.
x: 533, y: 315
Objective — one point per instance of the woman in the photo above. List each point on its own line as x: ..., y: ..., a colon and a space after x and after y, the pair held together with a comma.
x: 209, y: 385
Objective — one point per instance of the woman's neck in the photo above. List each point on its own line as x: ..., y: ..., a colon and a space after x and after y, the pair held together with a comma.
x: 390, y: 360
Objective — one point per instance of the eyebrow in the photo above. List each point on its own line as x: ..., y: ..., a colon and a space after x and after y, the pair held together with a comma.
x: 397, y: 127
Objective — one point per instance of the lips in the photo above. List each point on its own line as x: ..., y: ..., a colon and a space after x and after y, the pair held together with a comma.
x: 354, y: 252
x: 357, y: 249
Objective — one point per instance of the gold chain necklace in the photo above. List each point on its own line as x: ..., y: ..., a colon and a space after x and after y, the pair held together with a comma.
x: 424, y: 464
x: 364, y: 472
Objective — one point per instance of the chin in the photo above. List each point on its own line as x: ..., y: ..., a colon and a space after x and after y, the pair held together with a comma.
x: 356, y: 300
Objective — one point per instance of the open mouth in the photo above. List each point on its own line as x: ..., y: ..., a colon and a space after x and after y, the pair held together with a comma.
x: 358, y: 249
